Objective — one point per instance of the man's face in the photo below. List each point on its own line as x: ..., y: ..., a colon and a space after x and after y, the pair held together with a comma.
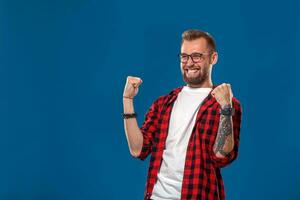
x: 195, y: 74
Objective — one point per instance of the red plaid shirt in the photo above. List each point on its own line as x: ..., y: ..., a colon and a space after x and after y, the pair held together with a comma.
x: 202, y: 178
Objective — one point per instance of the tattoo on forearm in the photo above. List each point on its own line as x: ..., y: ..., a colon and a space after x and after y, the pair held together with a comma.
x: 224, y: 135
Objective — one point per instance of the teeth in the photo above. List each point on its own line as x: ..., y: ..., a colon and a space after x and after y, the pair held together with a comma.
x: 192, y: 70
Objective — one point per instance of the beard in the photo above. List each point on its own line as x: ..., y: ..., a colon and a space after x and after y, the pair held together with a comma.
x: 198, y: 78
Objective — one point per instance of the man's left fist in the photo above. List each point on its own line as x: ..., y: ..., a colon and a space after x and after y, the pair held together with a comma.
x: 223, y: 94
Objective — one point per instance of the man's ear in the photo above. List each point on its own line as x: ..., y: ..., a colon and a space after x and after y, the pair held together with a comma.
x: 214, y: 58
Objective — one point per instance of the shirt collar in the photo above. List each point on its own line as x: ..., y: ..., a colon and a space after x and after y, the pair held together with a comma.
x: 174, y: 93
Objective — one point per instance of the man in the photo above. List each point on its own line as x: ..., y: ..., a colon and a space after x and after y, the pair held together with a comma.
x: 191, y: 132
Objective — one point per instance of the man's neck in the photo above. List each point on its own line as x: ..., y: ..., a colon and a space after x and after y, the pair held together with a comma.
x: 207, y: 84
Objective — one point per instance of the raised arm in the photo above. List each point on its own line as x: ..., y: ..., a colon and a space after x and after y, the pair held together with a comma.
x: 133, y: 133
x: 224, y: 142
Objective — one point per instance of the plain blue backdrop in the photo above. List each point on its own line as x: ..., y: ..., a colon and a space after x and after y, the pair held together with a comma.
x: 63, y: 67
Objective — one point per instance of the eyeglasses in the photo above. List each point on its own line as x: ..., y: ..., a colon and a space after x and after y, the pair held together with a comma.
x: 196, y: 57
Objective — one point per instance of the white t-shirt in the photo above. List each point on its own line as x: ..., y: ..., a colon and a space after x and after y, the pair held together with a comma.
x: 182, y: 121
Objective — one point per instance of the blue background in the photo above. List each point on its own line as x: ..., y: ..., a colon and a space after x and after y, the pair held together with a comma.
x: 63, y: 67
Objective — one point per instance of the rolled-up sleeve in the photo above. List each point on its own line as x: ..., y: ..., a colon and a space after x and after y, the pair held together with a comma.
x: 236, y: 119
x: 148, y: 129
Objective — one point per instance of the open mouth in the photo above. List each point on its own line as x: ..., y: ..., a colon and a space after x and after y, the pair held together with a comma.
x: 191, y: 71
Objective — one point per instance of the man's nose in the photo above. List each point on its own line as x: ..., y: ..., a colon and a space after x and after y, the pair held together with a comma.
x: 190, y: 61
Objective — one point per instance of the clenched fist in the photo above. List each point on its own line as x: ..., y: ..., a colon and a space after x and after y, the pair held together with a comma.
x: 132, y: 87
x: 223, y: 94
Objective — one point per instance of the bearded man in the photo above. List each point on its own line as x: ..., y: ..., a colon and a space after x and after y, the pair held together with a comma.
x: 191, y: 133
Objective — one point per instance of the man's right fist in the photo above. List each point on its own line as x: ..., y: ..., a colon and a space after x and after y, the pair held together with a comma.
x: 132, y: 86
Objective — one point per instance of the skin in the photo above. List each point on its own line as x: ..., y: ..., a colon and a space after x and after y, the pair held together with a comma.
x: 133, y: 133
x: 225, y: 140
x: 201, y: 78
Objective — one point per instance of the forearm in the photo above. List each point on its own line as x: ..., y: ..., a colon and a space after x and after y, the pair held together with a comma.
x: 133, y: 133
x: 224, y: 142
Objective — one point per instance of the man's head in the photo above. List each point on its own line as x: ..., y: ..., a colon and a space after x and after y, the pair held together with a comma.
x: 198, y: 55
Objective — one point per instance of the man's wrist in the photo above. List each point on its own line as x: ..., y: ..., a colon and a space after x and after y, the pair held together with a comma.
x: 227, y: 110
x: 226, y: 105
x: 127, y: 100
x: 128, y: 105
x: 127, y: 97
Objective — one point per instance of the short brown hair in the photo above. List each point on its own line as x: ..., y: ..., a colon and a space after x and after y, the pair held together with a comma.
x: 194, y: 34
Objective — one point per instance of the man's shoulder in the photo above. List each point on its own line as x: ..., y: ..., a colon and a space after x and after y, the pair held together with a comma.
x: 167, y: 96
x: 170, y: 94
